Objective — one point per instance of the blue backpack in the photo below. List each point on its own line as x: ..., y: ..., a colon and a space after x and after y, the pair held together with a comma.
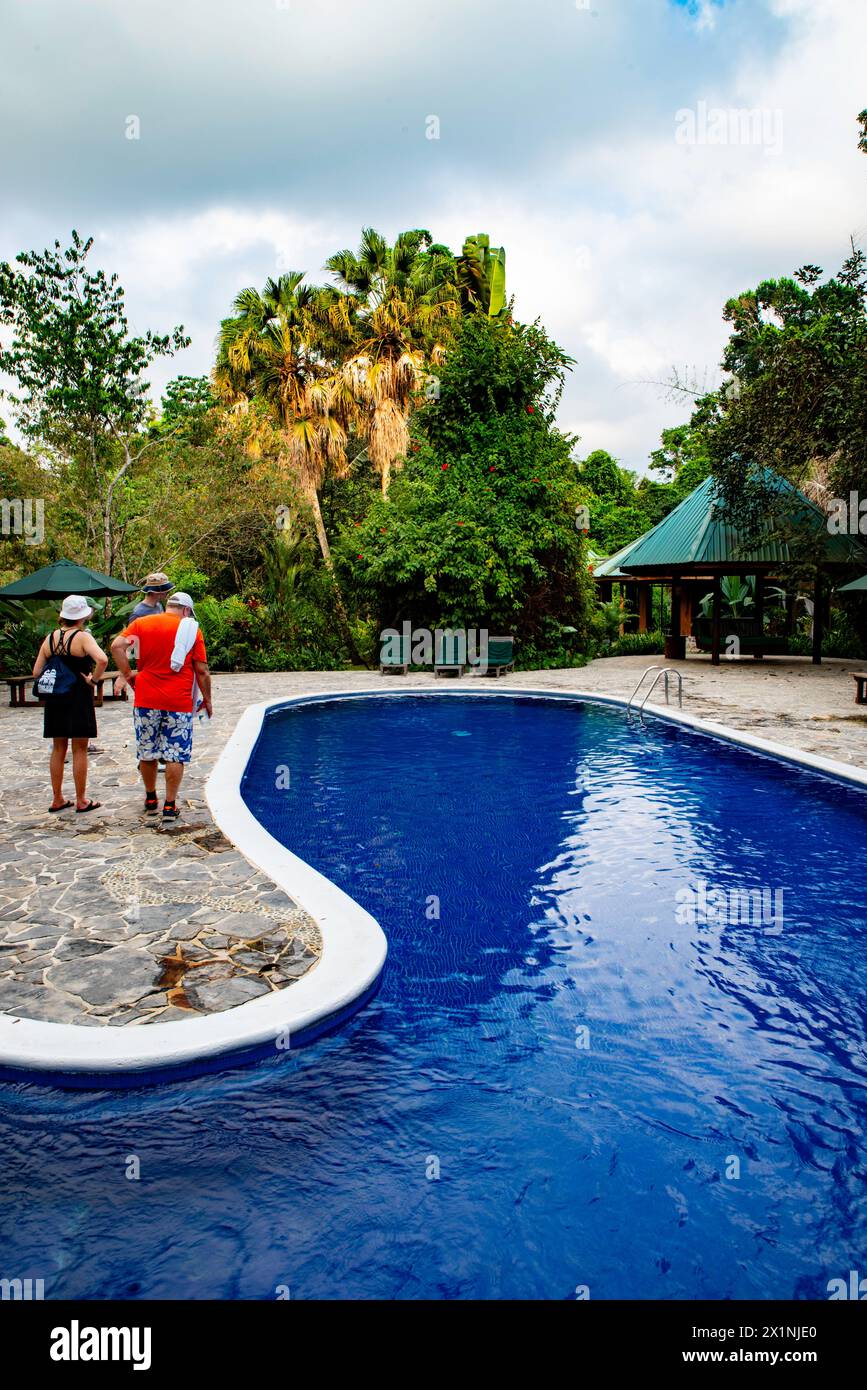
x: 56, y: 680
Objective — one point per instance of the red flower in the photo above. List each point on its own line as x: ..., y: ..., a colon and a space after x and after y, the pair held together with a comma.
x: 382, y: 530
x: 445, y: 466
x: 361, y: 557
x: 492, y: 469
x: 460, y: 523
x: 531, y: 410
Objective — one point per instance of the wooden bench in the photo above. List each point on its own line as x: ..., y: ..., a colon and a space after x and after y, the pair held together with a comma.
x: 19, y: 686
x: 860, y: 679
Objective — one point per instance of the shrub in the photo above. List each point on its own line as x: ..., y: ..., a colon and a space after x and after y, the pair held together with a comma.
x: 193, y: 582
x: 631, y: 644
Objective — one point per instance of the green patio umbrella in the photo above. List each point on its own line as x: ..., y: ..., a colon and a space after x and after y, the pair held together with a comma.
x: 62, y: 578
x: 856, y: 586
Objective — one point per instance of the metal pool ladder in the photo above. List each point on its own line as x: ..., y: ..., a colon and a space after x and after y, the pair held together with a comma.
x: 661, y: 671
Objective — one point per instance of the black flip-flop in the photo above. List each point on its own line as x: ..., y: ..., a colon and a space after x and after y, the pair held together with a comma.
x: 52, y: 810
x: 91, y: 806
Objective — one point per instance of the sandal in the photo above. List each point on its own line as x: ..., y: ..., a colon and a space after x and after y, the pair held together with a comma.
x: 152, y: 804
x: 170, y: 811
x: 52, y: 810
x: 91, y: 806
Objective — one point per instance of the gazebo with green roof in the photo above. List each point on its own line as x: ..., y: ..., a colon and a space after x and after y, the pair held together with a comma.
x: 696, y: 546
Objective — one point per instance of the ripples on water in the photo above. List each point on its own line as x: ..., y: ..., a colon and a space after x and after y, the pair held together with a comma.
x: 555, y: 838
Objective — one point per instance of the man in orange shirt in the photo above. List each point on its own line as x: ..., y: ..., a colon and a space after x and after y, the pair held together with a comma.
x: 163, y: 712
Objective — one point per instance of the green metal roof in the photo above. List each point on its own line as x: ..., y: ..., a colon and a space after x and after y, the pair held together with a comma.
x: 610, y: 568
x: 857, y: 586
x: 693, y: 535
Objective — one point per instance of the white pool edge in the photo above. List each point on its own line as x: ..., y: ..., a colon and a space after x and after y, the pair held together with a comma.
x: 354, y: 946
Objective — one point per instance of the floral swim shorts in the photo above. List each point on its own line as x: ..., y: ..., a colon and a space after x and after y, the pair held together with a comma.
x: 163, y: 733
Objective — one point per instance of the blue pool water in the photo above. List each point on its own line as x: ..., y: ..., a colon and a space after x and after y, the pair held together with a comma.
x: 582, y: 1066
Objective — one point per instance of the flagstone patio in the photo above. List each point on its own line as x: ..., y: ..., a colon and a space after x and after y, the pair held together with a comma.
x: 109, y: 919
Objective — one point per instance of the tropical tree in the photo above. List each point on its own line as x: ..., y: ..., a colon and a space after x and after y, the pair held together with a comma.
x: 272, y: 354
x: 481, y: 275
x: 401, y: 299
x: 81, y: 391
x: 479, y: 529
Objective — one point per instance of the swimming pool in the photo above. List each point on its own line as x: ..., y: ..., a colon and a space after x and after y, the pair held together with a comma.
x: 569, y: 1078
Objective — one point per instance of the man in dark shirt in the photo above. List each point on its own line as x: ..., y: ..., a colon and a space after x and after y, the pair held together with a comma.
x: 155, y: 585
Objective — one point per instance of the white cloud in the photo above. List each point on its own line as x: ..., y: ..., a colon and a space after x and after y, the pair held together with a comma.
x: 625, y: 243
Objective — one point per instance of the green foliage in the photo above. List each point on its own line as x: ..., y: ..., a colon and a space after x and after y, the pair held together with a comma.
x: 636, y: 644
x: 479, y: 527
x: 191, y: 581
x: 481, y: 274
x: 185, y: 407
x: 738, y: 595
x: 843, y: 638
x: 613, y: 525
x: 681, y: 446
x: 228, y: 629
x: 22, y: 629
x: 23, y: 625
x: 607, y: 621
x: 603, y: 477
x: 622, y: 507
x: 71, y: 352
x: 798, y: 355
x: 79, y: 374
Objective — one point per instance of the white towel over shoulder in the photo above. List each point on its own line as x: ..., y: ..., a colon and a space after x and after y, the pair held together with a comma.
x: 188, y: 631
x: 185, y: 637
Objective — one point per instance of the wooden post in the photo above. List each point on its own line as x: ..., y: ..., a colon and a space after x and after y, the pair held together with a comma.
x: 687, y: 600
x: 717, y: 620
x: 645, y: 607
x: 759, y: 653
x: 818, y: 617
x: 675, y: 643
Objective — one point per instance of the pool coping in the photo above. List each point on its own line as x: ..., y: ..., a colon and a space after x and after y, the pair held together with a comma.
x: 354, y: 946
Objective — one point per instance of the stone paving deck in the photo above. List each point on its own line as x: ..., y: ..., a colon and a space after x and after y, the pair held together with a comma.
x: 109, y: 919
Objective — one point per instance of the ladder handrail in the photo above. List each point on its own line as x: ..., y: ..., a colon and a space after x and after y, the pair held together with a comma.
x: 644, y: 675
x: 664, y: 671
x: 667, y: 671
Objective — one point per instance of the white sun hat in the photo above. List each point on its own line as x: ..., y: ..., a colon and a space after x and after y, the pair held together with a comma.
x: 75, y: 608
x: 182, y: 600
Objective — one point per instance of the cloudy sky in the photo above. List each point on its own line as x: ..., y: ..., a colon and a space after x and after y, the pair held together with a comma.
x: 270, y: 131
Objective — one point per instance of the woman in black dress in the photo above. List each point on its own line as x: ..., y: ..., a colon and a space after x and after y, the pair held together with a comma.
x: 73, y: 717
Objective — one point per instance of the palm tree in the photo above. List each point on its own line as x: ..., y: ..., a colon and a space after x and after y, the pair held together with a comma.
x: 273, y: 350
x: 399, y: 299
x: 270, y: 350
